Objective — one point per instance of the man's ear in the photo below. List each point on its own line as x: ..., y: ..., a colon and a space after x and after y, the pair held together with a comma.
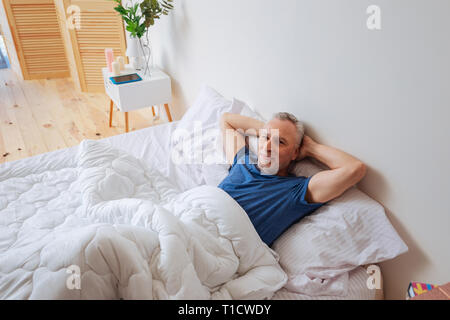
x: 296, y: 154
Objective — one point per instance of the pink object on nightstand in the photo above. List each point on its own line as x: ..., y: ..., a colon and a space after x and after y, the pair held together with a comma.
x: 109, y: 54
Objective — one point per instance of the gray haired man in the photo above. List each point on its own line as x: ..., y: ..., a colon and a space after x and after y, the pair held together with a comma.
x: 275, y: 199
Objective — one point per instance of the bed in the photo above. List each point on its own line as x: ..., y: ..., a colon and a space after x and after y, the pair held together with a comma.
x: 152, y: 143
x: 107, y: 247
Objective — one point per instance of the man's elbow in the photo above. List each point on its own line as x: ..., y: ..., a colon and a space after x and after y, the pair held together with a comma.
x: 224, y: 119
x: 355, y: 172
x: 359, y: 170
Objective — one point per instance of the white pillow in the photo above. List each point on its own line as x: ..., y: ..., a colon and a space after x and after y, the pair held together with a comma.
x: 204, y: 155
x: 346, y: 232
x: 215, y: 173
x: 207, y: 108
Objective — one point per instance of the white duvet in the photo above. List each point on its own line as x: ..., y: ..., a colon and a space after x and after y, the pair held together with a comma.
x: 109, y: 227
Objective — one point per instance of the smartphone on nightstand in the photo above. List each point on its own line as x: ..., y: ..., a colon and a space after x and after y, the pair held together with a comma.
x: 126, y: 78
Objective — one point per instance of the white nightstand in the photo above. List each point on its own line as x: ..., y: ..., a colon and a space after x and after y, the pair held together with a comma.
x: 150, y: 91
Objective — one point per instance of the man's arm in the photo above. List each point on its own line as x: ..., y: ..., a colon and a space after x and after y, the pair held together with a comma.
x: 233, y: 127
x: 345, y: 172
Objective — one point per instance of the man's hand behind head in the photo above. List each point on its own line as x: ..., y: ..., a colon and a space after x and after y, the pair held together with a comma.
x: 305, y: 146
x: 234, y: 128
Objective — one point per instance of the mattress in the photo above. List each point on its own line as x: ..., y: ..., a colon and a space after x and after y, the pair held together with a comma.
x: 152, y: 145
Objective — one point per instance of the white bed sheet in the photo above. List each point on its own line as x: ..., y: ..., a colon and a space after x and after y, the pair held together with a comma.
x: 152, y: 145
x: 357, y: 289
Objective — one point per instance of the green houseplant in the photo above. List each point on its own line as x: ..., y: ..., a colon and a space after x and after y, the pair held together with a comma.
x: 140, y: 16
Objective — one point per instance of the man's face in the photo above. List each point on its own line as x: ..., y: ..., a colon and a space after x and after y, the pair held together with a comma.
x: 278, y: 142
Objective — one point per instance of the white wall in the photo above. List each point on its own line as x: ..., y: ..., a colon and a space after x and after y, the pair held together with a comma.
x: 382, y: 96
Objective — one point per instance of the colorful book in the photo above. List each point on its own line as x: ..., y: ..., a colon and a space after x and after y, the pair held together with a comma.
x: 417, y: 288
x: 441, y: 292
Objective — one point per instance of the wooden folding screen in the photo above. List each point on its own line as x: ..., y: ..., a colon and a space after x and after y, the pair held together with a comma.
x: 37, y: 38
x: 90, y: 26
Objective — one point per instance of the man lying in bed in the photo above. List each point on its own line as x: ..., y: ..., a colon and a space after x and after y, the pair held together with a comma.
x: 273, y: 198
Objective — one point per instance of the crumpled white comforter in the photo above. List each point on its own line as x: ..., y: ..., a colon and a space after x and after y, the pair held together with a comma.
x: 111, y: 228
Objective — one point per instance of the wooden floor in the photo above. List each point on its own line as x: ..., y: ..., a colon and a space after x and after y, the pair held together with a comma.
x: 38, y: 116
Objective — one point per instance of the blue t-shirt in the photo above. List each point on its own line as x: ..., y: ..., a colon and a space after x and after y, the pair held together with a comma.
x: 273, y: 203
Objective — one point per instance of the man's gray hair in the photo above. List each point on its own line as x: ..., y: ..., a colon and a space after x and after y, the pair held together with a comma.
x: 298, y: 124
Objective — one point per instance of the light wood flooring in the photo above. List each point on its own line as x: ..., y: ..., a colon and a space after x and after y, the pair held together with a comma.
x: 38, y: 116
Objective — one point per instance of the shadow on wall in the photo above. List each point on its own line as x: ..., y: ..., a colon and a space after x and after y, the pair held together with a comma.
x: 178, y: 99
x: 399, y: 272
x: 176, y: 28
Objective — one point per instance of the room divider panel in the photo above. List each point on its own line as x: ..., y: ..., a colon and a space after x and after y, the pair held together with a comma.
x: 88, y: 27
x: 37, y: 38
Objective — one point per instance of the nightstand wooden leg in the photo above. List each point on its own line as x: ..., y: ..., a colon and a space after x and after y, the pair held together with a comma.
x: 153, y: 110
x: 168, y: 112
x: 126, y: 121
x: 111, y: 105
